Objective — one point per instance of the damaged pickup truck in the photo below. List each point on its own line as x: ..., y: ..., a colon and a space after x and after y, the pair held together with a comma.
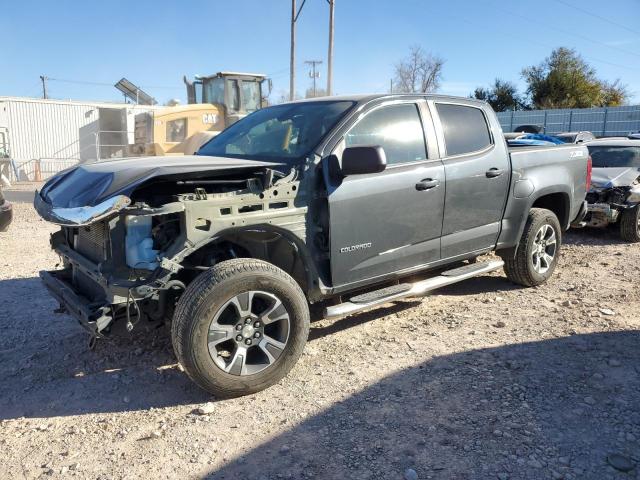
x: 614, y: 197
x: 334, y: 202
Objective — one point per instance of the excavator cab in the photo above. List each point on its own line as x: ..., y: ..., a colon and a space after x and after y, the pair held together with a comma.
x: 238, y: 93
x: 215, y: 102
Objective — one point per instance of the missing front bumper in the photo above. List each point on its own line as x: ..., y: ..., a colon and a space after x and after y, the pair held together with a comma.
x: 92, y: 316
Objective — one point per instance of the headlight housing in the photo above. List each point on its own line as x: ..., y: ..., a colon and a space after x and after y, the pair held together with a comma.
x: 634, y: 195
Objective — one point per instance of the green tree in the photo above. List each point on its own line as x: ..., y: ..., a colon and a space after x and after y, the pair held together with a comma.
x: 501, y: 95
x: 566, y: 80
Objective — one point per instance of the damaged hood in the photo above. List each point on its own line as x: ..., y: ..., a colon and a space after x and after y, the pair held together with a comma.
x: 614, y: 177
x: 87, y: 192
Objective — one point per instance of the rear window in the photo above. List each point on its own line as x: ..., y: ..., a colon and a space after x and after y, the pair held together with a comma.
x: 603, y: 157
x: 465, y: 128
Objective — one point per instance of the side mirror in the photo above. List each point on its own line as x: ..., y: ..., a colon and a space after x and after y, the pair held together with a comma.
x: 361, y: 160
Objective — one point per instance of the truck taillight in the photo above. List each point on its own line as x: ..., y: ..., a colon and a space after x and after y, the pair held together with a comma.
x: 589, y: 170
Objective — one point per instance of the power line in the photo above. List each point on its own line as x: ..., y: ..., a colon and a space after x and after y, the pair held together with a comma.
x: 546, y: 45
x: 104, y: 84
x: 600, y: 17
x: 567, y: 32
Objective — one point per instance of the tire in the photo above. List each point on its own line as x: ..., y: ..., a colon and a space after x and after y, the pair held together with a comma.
x: 521, y: 268
x: 630, y: 224
x: 233, y: 303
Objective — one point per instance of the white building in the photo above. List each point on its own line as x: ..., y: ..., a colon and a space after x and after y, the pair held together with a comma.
x: 41, y: 137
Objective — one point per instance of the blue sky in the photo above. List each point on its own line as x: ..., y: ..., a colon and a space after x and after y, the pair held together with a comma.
x: 154, y: 43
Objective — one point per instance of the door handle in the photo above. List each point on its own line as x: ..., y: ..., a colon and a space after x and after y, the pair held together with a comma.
x: 494, y: 172
x: 427, y: 184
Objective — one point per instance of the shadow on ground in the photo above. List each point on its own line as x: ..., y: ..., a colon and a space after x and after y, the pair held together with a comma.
x: 47, y: 368
x: 548, y: 409
x: 594, y: 236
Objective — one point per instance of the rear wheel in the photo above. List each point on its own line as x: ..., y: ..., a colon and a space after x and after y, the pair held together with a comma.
x: 630, y: 224
x: 538, y: 251
x: 240, y: 327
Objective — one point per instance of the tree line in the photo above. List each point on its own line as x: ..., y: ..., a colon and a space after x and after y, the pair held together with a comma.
x: 562, y: 80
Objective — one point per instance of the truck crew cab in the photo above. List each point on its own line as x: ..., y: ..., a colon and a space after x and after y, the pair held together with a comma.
x: 331, y: 201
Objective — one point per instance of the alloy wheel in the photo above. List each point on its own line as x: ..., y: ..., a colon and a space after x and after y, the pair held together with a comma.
x: 544, y: 249
x: 248, y: 333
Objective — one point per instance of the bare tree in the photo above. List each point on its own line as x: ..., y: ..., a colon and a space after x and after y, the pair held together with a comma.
x: 420, y: 72
x: 320, y: 92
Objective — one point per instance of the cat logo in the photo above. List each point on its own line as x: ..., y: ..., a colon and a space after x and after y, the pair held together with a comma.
x: 209, y: 118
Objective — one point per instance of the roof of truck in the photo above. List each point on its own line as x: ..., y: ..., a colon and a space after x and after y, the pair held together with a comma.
x: 365, y: 98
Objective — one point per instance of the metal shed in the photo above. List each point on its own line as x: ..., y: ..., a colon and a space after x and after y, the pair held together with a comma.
x: 42, y: 137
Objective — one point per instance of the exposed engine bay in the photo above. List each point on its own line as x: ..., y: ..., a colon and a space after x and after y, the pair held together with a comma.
x: 130, y: 258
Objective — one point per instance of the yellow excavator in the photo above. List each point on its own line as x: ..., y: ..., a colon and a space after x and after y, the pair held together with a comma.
x: 215, y: 102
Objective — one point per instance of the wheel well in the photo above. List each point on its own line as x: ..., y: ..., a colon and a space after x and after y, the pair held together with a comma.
x: 558, y: 203
x: 269, y: 246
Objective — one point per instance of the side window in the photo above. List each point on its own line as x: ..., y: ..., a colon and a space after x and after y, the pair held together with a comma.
x: 234, y: 95
x: 465, y: 128
x: 396, y: 128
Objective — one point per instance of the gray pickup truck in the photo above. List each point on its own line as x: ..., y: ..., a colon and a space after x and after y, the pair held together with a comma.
x: 332, y: 202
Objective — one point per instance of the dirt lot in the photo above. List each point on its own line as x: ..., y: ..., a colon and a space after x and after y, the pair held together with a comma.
x: 483, y: 380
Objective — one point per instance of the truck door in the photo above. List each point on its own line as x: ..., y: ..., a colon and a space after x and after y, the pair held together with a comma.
x: 389, y: 221
x: 477, y: 169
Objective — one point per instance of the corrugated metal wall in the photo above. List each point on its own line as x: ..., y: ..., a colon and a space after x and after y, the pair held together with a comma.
x: 54, y: 129
x: 610, y: 121
x: 60, y: 133
x: 48, y: 130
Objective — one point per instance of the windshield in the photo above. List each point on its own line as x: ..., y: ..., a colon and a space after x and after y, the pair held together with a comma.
x: 214, y: 91
x: 603, y: 157
x: 281, y: 132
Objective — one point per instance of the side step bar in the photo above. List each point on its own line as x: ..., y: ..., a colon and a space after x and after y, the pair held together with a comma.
x: 417, y: 289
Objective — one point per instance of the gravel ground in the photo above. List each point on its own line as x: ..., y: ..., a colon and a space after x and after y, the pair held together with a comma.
x: 483, y: 380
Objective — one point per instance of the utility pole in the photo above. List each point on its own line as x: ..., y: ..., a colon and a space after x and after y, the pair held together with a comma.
x: 292, y: 63
x: 391, y: 86
x: 314, y: 74
x: 44, y: 86
x: 330, y: 54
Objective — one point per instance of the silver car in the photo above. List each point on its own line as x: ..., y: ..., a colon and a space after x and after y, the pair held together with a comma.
x: 614, y: 196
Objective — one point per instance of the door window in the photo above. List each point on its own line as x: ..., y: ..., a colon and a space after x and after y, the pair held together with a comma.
x: 396, y: 128
x: 250, y: 95
x: 465, y: 128
x: 234, y: 95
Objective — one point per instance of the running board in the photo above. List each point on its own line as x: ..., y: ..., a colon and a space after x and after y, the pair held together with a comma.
x: 417, y: 289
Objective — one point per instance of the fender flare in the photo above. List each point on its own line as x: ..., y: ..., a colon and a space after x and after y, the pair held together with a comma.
x: 298, y: 245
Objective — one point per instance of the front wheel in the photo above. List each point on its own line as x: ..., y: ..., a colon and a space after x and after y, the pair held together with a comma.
x: 537, y: 253
x: 630, y: 224
x: 240, y: 327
